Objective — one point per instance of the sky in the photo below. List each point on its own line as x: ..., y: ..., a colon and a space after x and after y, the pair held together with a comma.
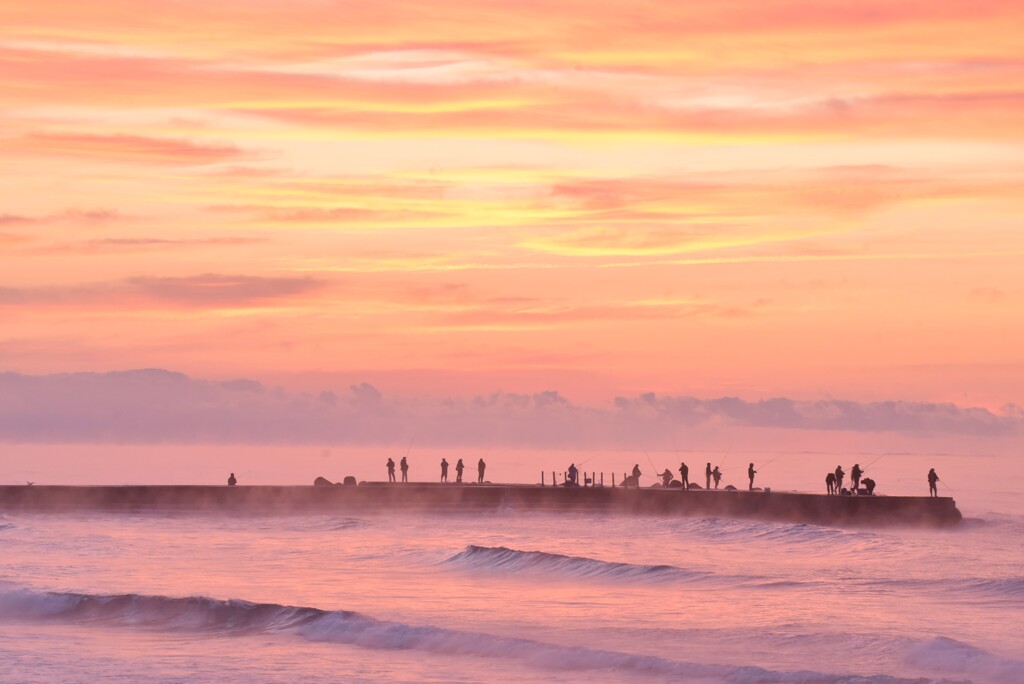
x: 327, y: 219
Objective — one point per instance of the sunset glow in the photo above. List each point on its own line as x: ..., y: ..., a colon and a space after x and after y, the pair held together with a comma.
x: 806, y: 200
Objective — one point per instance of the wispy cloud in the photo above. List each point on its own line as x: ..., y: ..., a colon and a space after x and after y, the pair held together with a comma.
x: 202, y: 291
x: 127, y: 148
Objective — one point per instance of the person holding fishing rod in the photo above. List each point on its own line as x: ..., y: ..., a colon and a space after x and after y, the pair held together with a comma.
x: 855, y: 474
x: 684, y: 475
x: 750, y: 473
x: 933, y: 479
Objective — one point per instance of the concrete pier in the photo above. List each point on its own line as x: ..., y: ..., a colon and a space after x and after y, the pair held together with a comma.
x: 382, y: 497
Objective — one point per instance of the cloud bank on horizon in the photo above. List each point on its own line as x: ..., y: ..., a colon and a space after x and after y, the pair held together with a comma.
x: 794, y: 198
x: 158, y: 406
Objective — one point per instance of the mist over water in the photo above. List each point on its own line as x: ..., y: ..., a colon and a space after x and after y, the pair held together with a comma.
x: 507, y: 595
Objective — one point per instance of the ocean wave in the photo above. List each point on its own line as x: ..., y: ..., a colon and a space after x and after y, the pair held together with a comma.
x: 950, y: 656
x: 730, y: 531
x: 233, y: 617
x: 1009, y: 589
x: 502, y: 559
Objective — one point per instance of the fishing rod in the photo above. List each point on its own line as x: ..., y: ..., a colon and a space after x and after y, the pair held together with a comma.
x: 875, y: 461
x: 656, y: 471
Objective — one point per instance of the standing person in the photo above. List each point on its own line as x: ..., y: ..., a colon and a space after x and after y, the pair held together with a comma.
x: 232, y: 481
x: 750, y: 473
x: 480, y: 468
x: 404, y: 465
x: 459, y: 467
x: 444, y: 470
x: 707, y: 474
x: 855, y: 474
x: 717, y: 474
x: 839, y: 479
x: 391, y: 470
x: 830, y: 483
x: 684, y: 475
x: 573, y: 475
x: 932, y: 479
x: 636, y: 475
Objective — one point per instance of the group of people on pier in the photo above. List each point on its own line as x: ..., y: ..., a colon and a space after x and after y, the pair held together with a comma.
x: 481, y: 467
x: 833, y: 481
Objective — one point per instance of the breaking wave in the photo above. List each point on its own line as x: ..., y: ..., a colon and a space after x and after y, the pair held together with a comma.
x: 206, y: 615
x: 950, y: 656
x: 502, y: 559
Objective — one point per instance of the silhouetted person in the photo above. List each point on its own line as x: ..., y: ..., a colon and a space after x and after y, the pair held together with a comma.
x: 636, y: 474
x: 869, y: 485
x: 717, y: 474
x: 707, y: 474
x: 459, y: 467
x: 839, y: 479
x: 932, y: 479
x: 830, y: 483
x: 391, y: 470
x: 232, y: 481
x: 404, y: 465
x: 444, y: 470
x: 855, y: 474
x: 666, y: 478
x: 480, y: 468
x: 684, y: 475
x: 573, y: 474
x: 750, y: 473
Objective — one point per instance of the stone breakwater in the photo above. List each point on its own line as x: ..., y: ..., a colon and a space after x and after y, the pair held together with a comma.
x: 417, y: 497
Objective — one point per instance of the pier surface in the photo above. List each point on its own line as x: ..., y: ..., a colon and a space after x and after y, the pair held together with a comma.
x: 380, y: 497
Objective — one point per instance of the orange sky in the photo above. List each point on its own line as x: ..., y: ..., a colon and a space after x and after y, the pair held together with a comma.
x: 802, y: 199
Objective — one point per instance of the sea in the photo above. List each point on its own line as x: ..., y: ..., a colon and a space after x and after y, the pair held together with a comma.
x: 511, y: 595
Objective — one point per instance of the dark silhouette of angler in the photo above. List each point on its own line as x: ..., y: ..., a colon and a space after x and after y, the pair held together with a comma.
x: 666, y: 478
x: 480, y: 468
x: 750, y: 473
x: 869, y: 485
x: 391, y: 470
x: 684, y: 475
x: 573, y: 474
x: 839, y: 479
x: 459, y: 467
x: 830, y: 483
x: 717, y: 475
x: 636, y: 474
x: 933, y: 490
x: 855, y: 474
x: 707, y: 474
x: 232, y: 481
x: 444, y: 470
x: 404, y: 465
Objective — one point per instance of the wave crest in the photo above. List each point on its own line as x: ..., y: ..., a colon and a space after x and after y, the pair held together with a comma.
x: 503, y: 559
x: 205, y: 615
